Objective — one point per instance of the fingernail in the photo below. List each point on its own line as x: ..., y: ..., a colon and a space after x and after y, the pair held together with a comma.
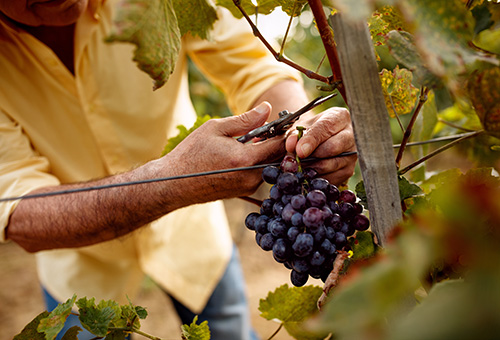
x: 262, y: 108
x: 306, y: 149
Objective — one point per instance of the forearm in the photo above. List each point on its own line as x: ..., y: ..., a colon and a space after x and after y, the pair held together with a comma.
x: 88, y: 217
x: 286, y: 95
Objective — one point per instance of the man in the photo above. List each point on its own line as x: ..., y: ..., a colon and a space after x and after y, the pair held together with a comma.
x: 76, y: 112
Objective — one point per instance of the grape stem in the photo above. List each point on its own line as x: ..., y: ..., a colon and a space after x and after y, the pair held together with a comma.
x: 333, y: 278
x: 275, y: 332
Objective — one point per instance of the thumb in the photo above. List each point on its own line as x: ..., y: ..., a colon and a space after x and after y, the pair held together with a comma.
x: 241, y: 124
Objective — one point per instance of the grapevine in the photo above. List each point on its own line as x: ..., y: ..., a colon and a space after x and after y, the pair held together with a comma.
x: 305, y: 221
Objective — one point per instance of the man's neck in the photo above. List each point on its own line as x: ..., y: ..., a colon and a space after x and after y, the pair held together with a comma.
x: 59, y: 39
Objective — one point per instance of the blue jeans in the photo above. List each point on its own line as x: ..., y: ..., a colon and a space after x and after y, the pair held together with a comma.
x: 226, y: 311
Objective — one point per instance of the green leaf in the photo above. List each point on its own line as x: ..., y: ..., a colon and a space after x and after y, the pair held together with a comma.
x: 383, y: 21
x: 263, y: 6
x: 195, y: 331
x: 292, y: 7
x: 183, y: 133
x: 96, y: 319
x: 195, y: 16
x: 363, y: 245
x: 30, y: 331
x: 407, y: 189
x: 484, y: 92
x: 152, y: 26
x: 54, y: 323
x: 399, y: 93
x: 290, y: 304
x: 72, y: 333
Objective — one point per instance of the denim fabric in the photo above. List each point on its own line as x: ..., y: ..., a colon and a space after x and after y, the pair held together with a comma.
x: 226, y: 311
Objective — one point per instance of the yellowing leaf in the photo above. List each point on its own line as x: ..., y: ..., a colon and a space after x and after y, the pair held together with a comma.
x: 399, y: 93
x: 195, y: 17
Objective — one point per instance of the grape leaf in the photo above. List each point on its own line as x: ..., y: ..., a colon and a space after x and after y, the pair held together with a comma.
x: 292, y: 7
x: 195, y: 331
x: 54, y: 323
x: 363, y: 245
x: 484, y: 92
x: 152, y: 26
x: 97, y: 319
x: 383, y: 21
x: 290, y: 304
x: 183, y: 133
x: 30, y: 331
x: 406, y: 190
x: 399, y: 93
x: 72, y: 333
x: 263, y: 6
x: 195, y: 16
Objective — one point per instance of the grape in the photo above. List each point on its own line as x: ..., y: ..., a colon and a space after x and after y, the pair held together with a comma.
x: 289, y: 164
x: 316, y: 198
x: 270, y: 174
x: 361, y: 222
x: 298, y: 279
x: 261, y: 224
x: 281, y: 250
x: 313, y: 217
x: 298, y: 202
x: 292, y: 233
x: 277, y: 227
x: 347, y: 196
x: 305, y: 220
x: 267, y: 207
x: 303, y: 245
x: 267, y: 241
x: 319, y: 184
x: 287, y: 183
x: 250, y: 220
x: 296, y: 219
x: 275, y: 193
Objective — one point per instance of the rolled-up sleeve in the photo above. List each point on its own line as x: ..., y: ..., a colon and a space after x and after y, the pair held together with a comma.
x: 21, y: 169
x: 238, y: 62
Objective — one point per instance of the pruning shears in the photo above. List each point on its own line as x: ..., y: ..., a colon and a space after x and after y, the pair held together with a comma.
x: 284, y: 122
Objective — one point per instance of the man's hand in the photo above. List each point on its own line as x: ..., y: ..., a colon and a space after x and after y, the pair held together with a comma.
x: 327, y: 134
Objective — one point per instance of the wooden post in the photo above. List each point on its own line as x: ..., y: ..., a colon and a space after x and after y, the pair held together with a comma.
x: 370, y: 121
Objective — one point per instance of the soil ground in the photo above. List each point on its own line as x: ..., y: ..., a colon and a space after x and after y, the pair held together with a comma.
x: 21, y: 299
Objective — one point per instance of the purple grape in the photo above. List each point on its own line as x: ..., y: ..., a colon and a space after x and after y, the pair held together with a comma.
x: 303, y: 245
x: 250, y: 220
x: 319, y: 234
x: 258, y: 236
x: 310, y: 173
x: 300, y: 265
x: 332, y: 192
x: 315, y: 272
x: 358, y: 208
x: 261, y: 224
x: 298, y: 202
x: 292, y: 233
x: 330, y: 233
x: 266, y: 242
x: 319, y: 184
x: 347, y: 196
x: 298, y: 279
x: 340, y: 239
x: 327, y: 247
x: 347, y: 229
x: 288, y: 183
x: 289, y: 164
x: 313, y: 217
x: 287, y: 198
x: 270, y: 174
x: 281, y: 250
x: 327, y: 215
x: 346, y: 210
x: 274, y: 193
x: 287, y: 212
x: 336, y: 221
x: 296, y: 219
x: 361, y: 222
x: 334, y: 207
x: 277, y: 227
x: 317, y: 259
x: 267, y: 207
x: 316, y: 198
x: 278, y: 208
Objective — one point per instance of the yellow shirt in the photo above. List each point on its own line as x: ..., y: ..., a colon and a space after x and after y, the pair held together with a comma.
x: 59, y: 128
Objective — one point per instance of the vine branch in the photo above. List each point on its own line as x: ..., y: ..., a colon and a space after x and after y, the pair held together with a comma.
x: 279, y: 57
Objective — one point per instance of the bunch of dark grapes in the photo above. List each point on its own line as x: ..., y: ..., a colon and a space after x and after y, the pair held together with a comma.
x: 305, y: 220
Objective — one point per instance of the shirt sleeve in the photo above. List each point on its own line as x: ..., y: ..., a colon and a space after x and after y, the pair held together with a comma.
x: 21, y: 169
x: 237, y: 62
